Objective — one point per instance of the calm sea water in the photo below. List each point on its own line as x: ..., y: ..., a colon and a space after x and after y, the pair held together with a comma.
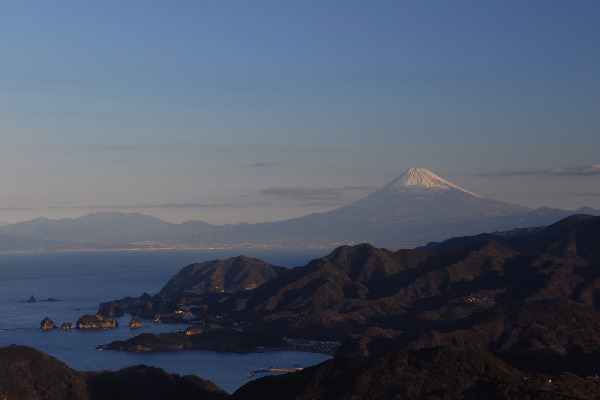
x: 80, y: 281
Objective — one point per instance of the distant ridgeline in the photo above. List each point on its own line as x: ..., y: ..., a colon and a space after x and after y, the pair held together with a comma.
x: 411, y: 210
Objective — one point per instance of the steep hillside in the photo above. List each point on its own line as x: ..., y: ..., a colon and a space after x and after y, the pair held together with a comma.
x: 149, y: 383
x: 360, y: 286
x: 533, y: 336
x: 578, y: 234
x: 426, y: 374
x: 334, y: 294
x: 26, y: 373
x: 221, y: 276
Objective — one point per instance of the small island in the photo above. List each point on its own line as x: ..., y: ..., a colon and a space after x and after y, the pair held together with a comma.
x: 47, y: 324
x: 97, y: 321
x: 67, y: 326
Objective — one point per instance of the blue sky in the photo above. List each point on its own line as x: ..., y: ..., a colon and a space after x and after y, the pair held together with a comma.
x: 250, y: 111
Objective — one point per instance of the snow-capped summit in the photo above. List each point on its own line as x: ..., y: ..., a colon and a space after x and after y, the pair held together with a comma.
x: 420, y: 201
x: 423, y: 178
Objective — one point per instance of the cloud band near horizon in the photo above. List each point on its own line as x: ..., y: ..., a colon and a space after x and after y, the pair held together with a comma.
x: 586, y: 170
x: 171, y: 205
x: 313, y: 193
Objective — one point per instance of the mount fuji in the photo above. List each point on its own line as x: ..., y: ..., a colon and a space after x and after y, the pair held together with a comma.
x: 413, y: 209
x: 421, y: 195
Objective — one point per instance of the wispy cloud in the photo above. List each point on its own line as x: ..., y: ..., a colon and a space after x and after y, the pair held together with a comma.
x: 174, y: 205
x: 587, y: 170
x: 361, y: 188
x: 201, y: 205
x: 323, y: 196
x: 324, y: 204
x: 262, y: 164
x: 136, y: 146
x: 304, y: 193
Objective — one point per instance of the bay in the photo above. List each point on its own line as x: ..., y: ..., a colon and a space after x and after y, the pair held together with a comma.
x: 80, y: 281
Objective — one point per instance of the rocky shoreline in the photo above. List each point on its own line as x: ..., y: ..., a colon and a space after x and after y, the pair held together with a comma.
x: 199, y: 338
x: 86, y: 322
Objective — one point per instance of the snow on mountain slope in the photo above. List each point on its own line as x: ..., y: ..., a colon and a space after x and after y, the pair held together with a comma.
x: 422, y: 178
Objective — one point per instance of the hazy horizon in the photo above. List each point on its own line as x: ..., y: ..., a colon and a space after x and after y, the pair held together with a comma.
x: 232, y: 111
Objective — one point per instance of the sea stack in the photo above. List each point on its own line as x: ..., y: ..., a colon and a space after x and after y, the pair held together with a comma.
x: 47, y: 324
x: 135, y: 323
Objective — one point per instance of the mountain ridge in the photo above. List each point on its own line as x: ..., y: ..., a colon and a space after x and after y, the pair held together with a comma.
x: 359, y: 286
x: 220, y: 276
x: 411, y: 210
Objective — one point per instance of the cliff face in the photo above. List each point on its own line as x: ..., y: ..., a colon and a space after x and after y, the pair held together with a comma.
x: 97, y: 321
x: 135, y: 323
x: 110, y: 310
x: 47, y: 324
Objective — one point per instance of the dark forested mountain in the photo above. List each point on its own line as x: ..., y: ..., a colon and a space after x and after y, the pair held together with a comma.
x: 419, y: 290
x: 440, y: 373
x: 577, y: 234
x: 413, y: 297
x: 413, y: 209
x: 26, y: 373
x: 221, y: 276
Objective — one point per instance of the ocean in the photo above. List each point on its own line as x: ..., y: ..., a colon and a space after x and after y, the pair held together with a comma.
x: 80, y: 281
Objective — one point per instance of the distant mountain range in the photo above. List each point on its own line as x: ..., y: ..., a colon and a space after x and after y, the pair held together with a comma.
x: 413, y: 209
